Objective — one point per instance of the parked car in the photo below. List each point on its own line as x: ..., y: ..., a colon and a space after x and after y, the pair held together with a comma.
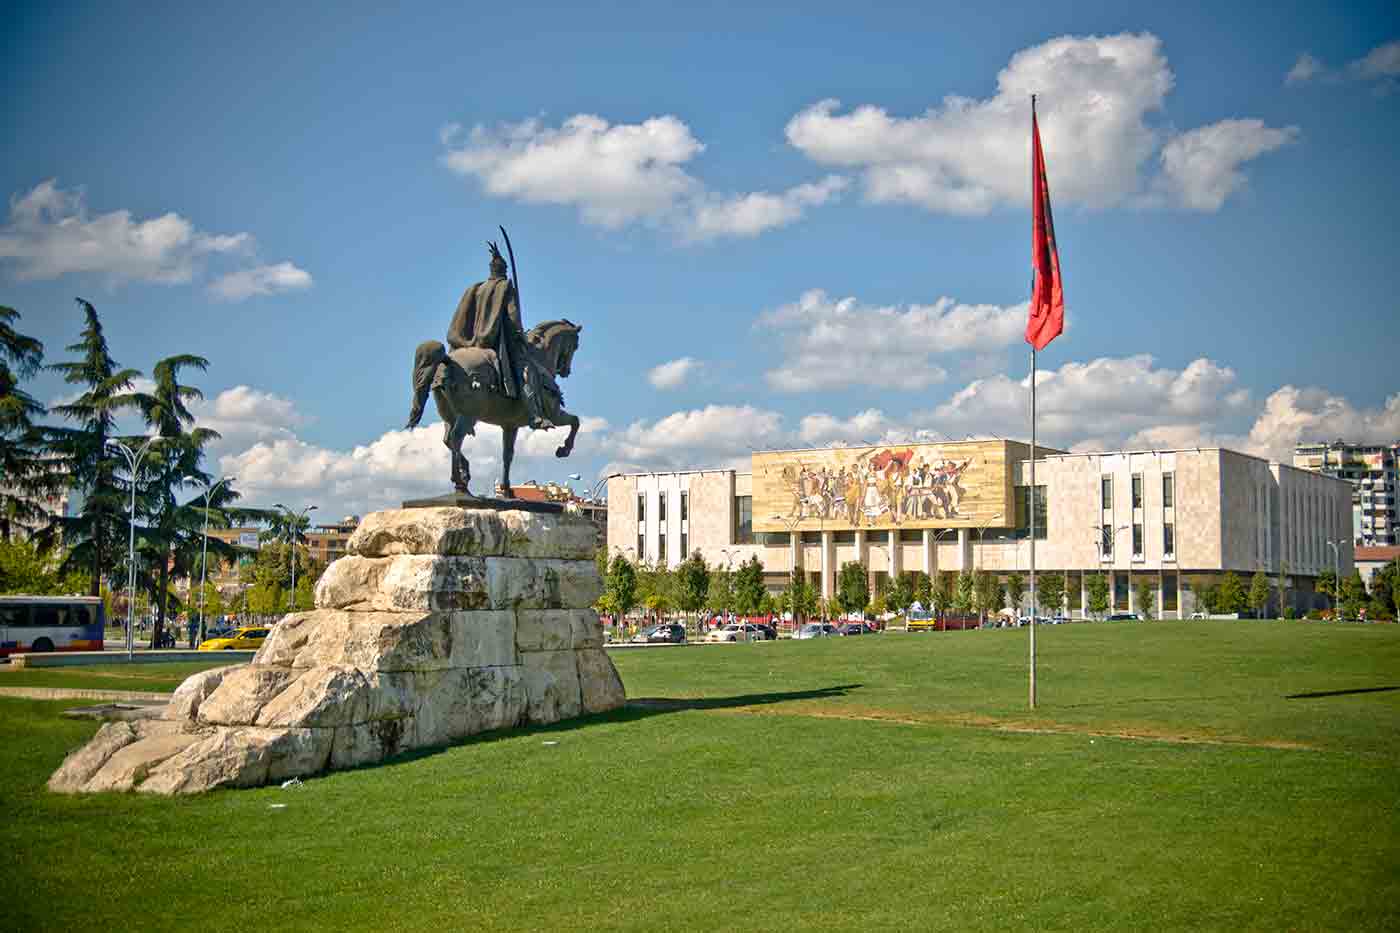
x: 1198, y: 615
x: 672, y: 633
x: 248, y: 638
x: 736, y: 631
x: 854, y: 628
x: 818, y: 630
x: 1122, y: 617
x: 769, y: 632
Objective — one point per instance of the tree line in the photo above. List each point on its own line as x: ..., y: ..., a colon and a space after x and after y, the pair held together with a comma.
x: 72, y: 447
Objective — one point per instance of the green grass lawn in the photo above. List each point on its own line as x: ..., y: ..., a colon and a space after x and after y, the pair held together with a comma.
x: 888, y: 782
x: 150, y: 678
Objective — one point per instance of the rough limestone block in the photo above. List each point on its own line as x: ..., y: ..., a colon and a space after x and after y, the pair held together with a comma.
x: 241, y: 757
x: 539, y: 583
x: 540, y: 534
x: 185, y: 701
x: 369, y: 742
x: 367, y: 641
x: 298, y: 753
x: 242, y: 694
x: 323, y: 697
x: 599, y: 682
x: 588, y: 631
x: 460, y: 532
x: 483, y: 639
x: 498, y: 698
x: 551, y: 686
x: 549, y: 629
x: 130, y: 764
x: 444, y: 711
x: 82, y: 763
x: 351, y: 581
x: 287, y: 638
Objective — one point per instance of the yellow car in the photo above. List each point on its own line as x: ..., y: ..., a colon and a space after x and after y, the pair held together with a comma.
x: 243, y: 639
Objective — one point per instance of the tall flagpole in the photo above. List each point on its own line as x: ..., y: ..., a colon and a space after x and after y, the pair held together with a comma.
x: 1031, y: 498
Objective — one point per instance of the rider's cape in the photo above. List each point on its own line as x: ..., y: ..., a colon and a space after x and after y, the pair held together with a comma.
x: 488, y: 318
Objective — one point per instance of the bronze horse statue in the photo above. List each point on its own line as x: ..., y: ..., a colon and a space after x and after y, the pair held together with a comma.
x: 466, y: 386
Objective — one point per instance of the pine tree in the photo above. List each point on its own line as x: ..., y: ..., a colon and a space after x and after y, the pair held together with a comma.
x: 24, y: 470
x: 1050, y: 592
x: 1259, y: 593
x: 96, y: 534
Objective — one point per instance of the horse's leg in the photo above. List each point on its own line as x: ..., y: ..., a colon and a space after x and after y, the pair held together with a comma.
x: 463, y: 426
x: 572, y: 421
x: 507, y: 455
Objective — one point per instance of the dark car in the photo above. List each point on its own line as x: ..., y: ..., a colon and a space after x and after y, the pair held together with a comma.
x: 854, y: 628
x: 670, y: 633
x: 1122, y: 617
x: 769, y: 632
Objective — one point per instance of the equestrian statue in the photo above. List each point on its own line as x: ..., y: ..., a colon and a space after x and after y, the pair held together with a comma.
x: 495, y: 372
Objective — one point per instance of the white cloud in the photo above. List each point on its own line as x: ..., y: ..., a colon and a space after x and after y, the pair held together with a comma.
x: 969, y: 156
x: 751, y: 214
x: 50, y: 233
x: 1305, y: 69
x: 1104, y: 404
x: 828, y: 343
x: 713, y: 436
x: 866, y: 426
x: 671, y: 375
x: 1380, y: 63
x: 1200, y: 169
x: 1292, y: 414
x: 619, y: 174
x: 261, y: 280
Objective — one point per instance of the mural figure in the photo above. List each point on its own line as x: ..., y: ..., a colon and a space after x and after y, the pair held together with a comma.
x: 882, y: 486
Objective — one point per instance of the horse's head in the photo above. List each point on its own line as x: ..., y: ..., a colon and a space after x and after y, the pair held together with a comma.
x: 556, y: 341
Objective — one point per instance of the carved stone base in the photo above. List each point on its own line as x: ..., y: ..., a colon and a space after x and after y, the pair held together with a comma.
x: 460, y: 500
x: 440, y: 623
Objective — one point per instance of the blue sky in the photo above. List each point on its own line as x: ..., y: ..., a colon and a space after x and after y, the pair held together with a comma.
x: 779, y: 225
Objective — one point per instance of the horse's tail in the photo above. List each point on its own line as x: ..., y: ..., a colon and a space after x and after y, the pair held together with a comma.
x: 426, y: 360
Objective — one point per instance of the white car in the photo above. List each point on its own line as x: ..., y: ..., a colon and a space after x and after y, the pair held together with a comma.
x: 737, y: 632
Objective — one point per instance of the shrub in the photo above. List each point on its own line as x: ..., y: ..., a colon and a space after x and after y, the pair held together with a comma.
x: 1289, y: 613
x: 1315, y: 615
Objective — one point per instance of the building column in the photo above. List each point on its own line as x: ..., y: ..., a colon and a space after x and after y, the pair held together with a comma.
x: 794, y: 552
x: 896, y: 558
x: 930, y: 554
x: 828, y: 558
x: 965, y: 549
x: 863, y: 558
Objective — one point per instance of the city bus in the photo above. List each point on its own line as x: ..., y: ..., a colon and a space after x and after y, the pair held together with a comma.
x: 50, y: 623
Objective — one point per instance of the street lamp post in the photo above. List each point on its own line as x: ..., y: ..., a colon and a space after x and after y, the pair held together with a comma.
x: 1336, y: 578
x: 133, y: 461
x: 729, y: 585
x: 977, y: 560
x: 292, y: 540
x: 204, y: 553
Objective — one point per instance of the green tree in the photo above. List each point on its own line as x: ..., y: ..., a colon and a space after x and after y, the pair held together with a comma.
x: 1285, y: 606
x: 1258, y: 597
x: 800, y: 599
x: 1050, y: 592
x: 902, y: 593
x: 1327, y: 583
x: 987, y: 593
x: 923, y: 589
x: 1208, y: 596
x: 26, y: 472
x: 964, y: 597
x: 748, y: 586
x: 620, y: 588
x: 1353, y: 596
x: 943, y: 591
x: 1145, y: 598
x: 768, y: 605
x: 1015, y: 591
x: 720, y: 596
x: 1231, y: 596
x: 97, y: 533
x: 1383, y: 584
x: 26, y: 569
x: 1096, y: 590
x: 852, y: 587
x: 692, y: 583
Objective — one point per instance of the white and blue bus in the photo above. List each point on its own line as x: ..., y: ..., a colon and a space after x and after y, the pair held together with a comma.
x: 50, y: 623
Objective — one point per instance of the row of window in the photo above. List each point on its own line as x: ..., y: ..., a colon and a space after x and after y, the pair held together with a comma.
x: 1168, y: 541
x: 1168, y: 491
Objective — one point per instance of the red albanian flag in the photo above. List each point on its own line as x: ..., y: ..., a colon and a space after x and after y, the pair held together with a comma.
x: 1047, y: 317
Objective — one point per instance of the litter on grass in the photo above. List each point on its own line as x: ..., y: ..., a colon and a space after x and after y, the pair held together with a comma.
x: 551, y: 742
x: 294, y: 782
x: 277, y: 806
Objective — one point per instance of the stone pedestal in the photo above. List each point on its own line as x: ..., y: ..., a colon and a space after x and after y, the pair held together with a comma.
x: 438, y: 624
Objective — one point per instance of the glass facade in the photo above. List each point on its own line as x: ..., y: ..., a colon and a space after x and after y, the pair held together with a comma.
x: 1042, y: 512
x: 743, y: 519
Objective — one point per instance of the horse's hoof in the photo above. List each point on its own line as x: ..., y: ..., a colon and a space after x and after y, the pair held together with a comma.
x: 562, y: 452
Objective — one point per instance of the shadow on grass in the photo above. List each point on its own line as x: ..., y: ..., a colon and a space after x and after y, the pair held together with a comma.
x: 635, y: 710
x: 1317, y: 694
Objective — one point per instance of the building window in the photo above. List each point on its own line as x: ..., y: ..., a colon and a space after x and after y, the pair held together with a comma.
x: 1106, y: 542
x: 1168, y: 490
x: 661, y: 550
x: 743, y: 519
x: 685, y: 546
x: 661, y: 506
x: 1169, y: 592
x: 641, y: 546
x: 685, y: 505
x: 641, y: 507
x: 1042, y: 512
x: 1137, y: 490
x: 1107, y: 493
x: 1169, y: 539
x: 1137, y: 541
x: 843, y: 537
x: 1120, y: 592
